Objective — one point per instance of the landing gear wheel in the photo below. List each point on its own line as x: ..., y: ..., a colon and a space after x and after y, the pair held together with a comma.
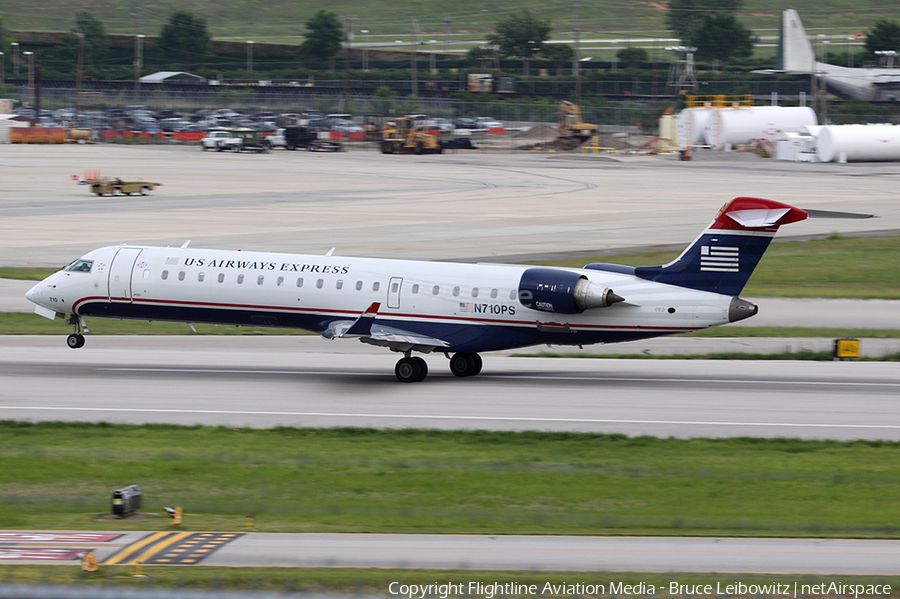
x: 463, y: 364
x: 411, y: 370
x: 75, y: 340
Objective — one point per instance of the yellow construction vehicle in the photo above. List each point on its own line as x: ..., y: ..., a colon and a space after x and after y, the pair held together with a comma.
x: 402, y: 136
x: 570, y: 123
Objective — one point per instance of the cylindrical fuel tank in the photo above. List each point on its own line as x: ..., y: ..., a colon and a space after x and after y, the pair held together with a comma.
x: 692, y: 124
x: 858, y: 143
x: 740, y: 125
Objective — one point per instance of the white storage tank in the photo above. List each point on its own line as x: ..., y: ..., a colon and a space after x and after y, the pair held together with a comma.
x: 734, y: 126
x: 859, y: 143
x: 692, y: 123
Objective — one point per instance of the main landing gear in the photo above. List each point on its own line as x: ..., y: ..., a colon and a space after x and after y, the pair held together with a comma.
x: 76, y: 339
x: 414, y: 369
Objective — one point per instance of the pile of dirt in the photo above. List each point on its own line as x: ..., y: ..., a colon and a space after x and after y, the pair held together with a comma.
x: 560, y: 144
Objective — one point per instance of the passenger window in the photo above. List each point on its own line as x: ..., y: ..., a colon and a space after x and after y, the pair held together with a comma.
x: 300, y: 282
x: 221, y: 277
x: 436, y: 289
x: 475, y: 292
x: 201, y: 276
x: 376, y: 286
x: 279, y: 281
x: 395, y: 287
x: 319, y: 283
x: 415, y: 288
x: 240, y: 279
x: 339, y: 284
x: 164, y: 275
x: 181, y: 276
x: 493, y: 294
x: 512, y: 294
x: 456, y: 291
x: 146, y: 274
x: 359, y: 285
x: 260, y: 279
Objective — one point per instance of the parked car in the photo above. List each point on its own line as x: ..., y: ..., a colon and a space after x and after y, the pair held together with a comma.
x: 346, y: 127
x: 220, y: 140
x: 465, y: 123
x: 486, y: 122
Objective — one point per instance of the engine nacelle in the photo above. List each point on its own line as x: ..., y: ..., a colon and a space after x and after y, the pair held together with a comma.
x: 562, y: 291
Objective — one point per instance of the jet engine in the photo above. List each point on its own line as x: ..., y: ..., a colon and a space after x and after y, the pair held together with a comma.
x: 562, y: 291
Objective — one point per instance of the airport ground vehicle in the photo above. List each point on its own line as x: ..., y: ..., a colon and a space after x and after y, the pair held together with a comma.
x: 235, y: 140
x: 118, y: 187
x: 403, y: 137
x: 571, y: 124
x: 291, y: 138
x: 219, y: 140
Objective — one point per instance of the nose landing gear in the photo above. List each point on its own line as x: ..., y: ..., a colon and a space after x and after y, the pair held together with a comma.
x: 76, y: 339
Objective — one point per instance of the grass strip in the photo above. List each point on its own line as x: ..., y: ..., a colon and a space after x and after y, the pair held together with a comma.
x: 376, y: 581
x: 60, y: 476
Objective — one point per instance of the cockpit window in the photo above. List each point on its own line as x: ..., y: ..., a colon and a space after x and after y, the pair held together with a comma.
x: 80, y: 266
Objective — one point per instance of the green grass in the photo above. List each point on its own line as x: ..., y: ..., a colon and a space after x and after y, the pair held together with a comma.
x: 375, y: 581
x: 282, y: 21
x: 61, y: 476
x: 836, y: 267
x: 809, y: 355
x: 23, y: 323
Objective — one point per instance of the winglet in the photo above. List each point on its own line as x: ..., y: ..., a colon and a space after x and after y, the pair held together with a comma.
x: 363, y: 324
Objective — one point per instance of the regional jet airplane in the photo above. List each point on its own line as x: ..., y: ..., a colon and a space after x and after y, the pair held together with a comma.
x: 795, y: 56
x: 409, y: 306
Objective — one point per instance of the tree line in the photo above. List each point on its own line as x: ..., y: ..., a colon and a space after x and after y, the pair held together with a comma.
x: 709, y: 26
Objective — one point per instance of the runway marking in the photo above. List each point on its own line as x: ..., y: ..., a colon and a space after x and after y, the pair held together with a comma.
x: 513, y: 376
x: 171, y: 548
x: 450, y: 417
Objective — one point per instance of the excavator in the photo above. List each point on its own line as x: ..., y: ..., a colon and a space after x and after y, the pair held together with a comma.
x: 570, y: 123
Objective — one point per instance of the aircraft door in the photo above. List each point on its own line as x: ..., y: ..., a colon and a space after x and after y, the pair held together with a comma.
x: 393, y: 296
x: 120, y: 274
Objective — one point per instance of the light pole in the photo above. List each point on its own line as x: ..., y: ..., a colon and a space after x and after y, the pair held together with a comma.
x: 138, y: 63
x: 15, y: 47
x: 30, y: 59
x: 249, y: 56
x: 80, y: 66
x: 2, y: 68
x: 365, y: 51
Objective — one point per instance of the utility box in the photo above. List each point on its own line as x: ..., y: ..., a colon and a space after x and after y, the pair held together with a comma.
x: 846, y: 348
x: 127, y: 501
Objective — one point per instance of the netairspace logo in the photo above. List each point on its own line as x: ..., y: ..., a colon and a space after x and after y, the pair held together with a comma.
x: 491, y: 590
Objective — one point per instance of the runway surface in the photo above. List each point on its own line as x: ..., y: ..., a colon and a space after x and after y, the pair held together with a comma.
x: 462, y: 552
x: 289, y: 381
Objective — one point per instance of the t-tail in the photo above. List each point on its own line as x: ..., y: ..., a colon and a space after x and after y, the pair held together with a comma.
x: 722, y: 259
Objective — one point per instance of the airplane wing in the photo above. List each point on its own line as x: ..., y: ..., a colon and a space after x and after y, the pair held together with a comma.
x: 365, y: 329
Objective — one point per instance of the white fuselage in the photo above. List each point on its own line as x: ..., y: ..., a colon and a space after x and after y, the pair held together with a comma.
x: 471, y: 307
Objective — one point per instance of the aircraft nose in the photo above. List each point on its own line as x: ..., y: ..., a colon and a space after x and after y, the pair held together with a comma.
x: 32, y: 294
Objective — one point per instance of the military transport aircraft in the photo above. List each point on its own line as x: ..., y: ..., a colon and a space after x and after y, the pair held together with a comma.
x: 796, y: 56
x: 410, y: 306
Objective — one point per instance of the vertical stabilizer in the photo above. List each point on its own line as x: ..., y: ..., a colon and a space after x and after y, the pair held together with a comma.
x: 722, y: 259
x: 795, y: 53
